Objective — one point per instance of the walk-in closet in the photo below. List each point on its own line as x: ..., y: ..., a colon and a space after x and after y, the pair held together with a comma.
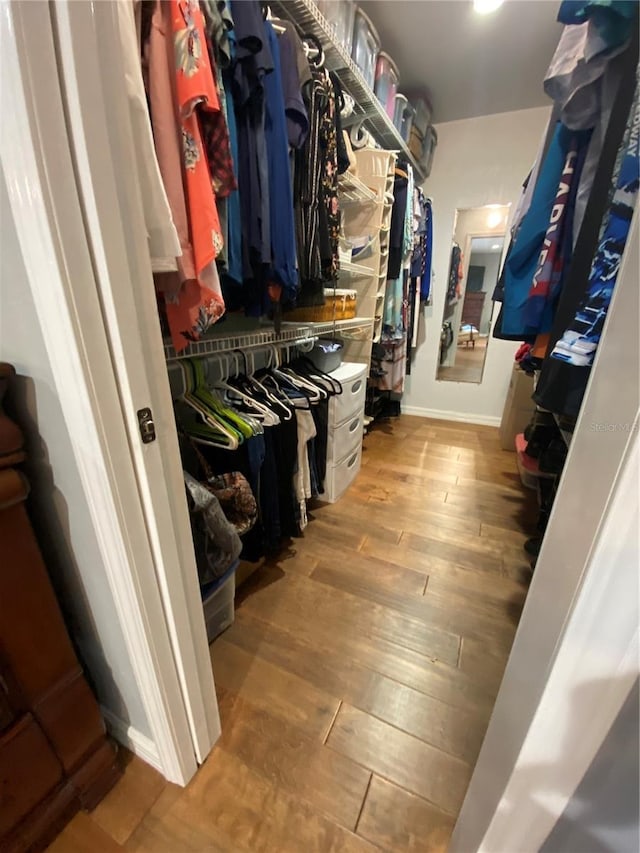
x: 320, y: 417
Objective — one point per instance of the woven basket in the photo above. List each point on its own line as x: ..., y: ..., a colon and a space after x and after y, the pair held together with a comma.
x: 340, y: 304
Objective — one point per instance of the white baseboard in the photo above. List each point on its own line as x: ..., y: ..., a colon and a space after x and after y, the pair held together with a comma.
x: 128, y: 736
x: 460, y: 417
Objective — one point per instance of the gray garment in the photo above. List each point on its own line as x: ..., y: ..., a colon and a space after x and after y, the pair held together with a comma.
x: 304, y: 69
x: 608, y: 89
x: 574, y: 77
x: 218, y: 22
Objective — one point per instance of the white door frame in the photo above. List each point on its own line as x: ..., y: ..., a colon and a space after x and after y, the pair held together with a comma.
x: 64, y: 272
x: 100, y: 129
x: 580, y: 621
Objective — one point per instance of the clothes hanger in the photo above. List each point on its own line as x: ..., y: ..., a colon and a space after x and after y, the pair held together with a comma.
x: 315, y: 54
x: 258, y: 414
x: 214, y: 405
x: 282, y: 409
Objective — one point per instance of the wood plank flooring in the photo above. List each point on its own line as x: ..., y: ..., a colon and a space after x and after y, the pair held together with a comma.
x: 357, y: 682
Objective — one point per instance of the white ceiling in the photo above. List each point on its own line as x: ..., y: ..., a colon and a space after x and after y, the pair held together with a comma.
x: 471, y: 65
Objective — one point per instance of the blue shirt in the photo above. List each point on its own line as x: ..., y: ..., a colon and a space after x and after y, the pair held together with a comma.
x: 283, y: 242
x: 523, y: 258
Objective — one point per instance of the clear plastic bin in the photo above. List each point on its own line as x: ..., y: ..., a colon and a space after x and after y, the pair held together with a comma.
x: 422, y: 114
x: 365, y: 47
x: 386, y: 85
x: 342, y: 16
x: 218, y: 604
x: 400, y: 104
x: 428, y: 150
x: 339, y: 15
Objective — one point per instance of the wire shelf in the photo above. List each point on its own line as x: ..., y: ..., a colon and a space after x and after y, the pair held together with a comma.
x: 348, y: 268
x: 353, y: 190
x: 216, y: 343
x: 358, y: 328
x: 308, y: 20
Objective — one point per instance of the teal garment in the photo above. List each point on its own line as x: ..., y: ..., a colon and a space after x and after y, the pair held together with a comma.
x: 523, y: 257
x: 614, y: 19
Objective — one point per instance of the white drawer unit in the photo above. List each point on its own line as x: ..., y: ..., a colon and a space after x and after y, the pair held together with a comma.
x: 339, y: 477
x: 346, y: 422
x: 342, y: 439
x: 353, y: 378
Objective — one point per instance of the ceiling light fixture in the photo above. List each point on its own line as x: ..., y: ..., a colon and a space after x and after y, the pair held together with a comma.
x: 494, y: 218
x: 496, y: 246
x: 485, y: 7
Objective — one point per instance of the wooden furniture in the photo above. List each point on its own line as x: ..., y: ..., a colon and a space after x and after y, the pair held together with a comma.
x: 54, y: 754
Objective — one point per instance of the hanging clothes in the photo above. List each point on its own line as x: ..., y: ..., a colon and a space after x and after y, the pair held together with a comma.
x: 164, y: 244
x: 565, y: 374
x: 397, y: 227
x: 180, y: 85
x: 252, y: 62
x: 283, y: 266
x: 316, y: 194
x: 540, y: 307
x: 455, y: 275
x: 292, y: 59
x: 522, y: 261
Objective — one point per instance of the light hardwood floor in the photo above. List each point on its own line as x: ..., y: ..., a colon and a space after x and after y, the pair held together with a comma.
x: 357, y: 682
x: 469, y: 363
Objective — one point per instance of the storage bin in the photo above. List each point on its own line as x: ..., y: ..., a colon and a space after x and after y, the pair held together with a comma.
x: 342, y: 14
x: 327, y: 354
x: 364, y: 220
x: 339, y: 477
x: 343, y: 440
x: 374, y: 162
x: 406, y: 122
x: 339, y: 304
x: 386, y: 84
x: 353, y: 378
x: 218, y: 603
x: 399, y: 106
x: 428, y: 150
x: 416, y: 143
x: 421, y: 114
x: 365, y: 47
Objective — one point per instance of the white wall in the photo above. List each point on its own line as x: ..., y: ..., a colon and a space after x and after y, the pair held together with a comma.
x: 478, y: 161
x: 57, y: 504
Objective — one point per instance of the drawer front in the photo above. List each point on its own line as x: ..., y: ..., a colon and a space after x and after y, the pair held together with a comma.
x: 344, y: 438
x: 351, y: 401
x: 339, y: 477
x: 29, y: 771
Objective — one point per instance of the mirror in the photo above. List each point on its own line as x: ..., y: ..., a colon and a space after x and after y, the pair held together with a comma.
x: 476, y: 257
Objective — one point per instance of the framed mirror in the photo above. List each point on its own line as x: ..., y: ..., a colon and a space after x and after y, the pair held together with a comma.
x: 476, y: 259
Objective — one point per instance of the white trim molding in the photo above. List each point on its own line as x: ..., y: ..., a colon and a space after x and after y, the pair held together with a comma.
x: 459, y: 417
x: 137, y: 742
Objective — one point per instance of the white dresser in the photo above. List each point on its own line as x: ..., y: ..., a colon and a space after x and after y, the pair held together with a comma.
x: 344, y: 439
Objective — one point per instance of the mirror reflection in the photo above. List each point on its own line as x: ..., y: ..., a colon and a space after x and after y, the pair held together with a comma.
x: 476, y: 254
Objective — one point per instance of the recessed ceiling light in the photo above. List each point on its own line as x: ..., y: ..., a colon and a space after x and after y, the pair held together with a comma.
x: 494, y: 218
x: 484, y: 7
x: 496, y: 246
